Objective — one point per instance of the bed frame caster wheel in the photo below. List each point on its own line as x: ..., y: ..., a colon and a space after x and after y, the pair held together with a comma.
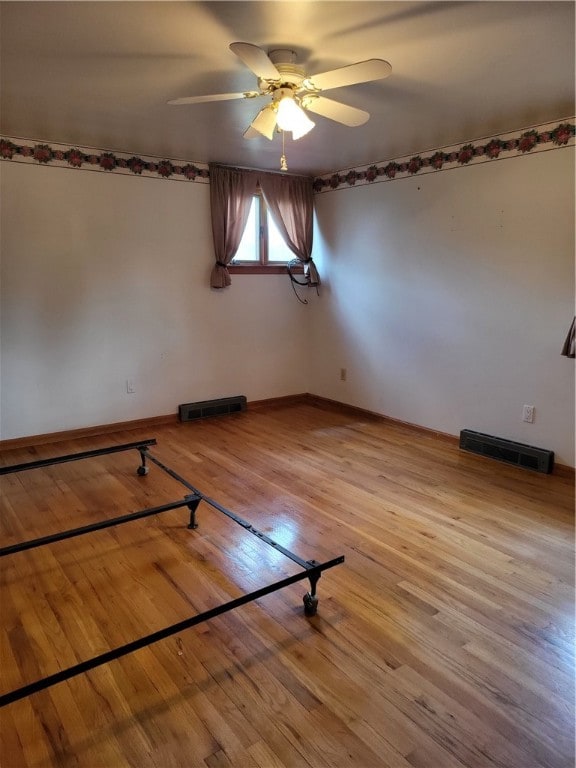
x: 310, y: 604
x: 142, y: 471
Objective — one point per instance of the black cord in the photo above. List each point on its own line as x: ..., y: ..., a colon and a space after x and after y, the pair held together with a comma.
x: 302, y: 301
x: 307, y: 283
x: 294, y: 282
x: 290, y: 266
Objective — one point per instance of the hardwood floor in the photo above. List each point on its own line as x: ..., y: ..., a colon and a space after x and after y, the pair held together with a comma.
x: 445, y: 639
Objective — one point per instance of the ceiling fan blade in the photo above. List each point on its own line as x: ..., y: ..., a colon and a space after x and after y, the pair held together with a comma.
x: 215, y: 97
x: 335, y: 110
x: 256, y: 59
x: 263, y: 124
x: 361, y: 72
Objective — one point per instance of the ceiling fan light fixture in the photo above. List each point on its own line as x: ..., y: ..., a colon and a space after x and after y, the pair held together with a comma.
x: 265, y: 122
x: 291, y: 117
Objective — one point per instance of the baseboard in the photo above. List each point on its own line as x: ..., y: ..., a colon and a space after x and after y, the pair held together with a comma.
x: 149, y: 423
x: 560, y: 470
x: 563, y: 470
x: 95, y: 431
x: 278, y: 402
x: 121, y: 426
x: 352, y: 409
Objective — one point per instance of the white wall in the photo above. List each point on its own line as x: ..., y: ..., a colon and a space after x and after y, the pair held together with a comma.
x: 104, y: 277
x: 448, y: 296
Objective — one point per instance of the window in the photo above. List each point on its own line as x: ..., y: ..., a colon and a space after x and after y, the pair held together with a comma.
x: 262, y: 248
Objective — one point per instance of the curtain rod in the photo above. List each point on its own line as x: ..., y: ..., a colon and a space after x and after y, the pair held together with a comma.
x: 261, y: 170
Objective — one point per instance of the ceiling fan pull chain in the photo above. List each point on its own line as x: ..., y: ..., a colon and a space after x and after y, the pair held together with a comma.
x: 283, y: 163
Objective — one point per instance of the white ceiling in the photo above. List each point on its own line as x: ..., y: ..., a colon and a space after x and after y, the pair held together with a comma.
x: 100, y: 73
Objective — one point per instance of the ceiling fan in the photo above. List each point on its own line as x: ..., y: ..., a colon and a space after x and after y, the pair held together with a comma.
x: 294, y: 93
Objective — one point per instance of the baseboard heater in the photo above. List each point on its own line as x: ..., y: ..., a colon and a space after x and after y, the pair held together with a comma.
x: 206, y: 408
x: 527, y: 456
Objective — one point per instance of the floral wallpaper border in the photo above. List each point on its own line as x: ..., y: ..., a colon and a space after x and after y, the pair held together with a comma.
x: 539, y: 138
x: 25, y: 150
x: 536, y: 139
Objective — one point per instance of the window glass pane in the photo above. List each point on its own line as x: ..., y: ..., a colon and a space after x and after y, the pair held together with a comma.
x: 248, y: 250
x: 277, y: 248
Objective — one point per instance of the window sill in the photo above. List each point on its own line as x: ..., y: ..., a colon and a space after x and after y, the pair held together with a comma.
x: 261, y: 269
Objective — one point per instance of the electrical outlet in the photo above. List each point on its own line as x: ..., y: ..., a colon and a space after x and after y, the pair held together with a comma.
x: 528, y: 413
x: 130, y: 386
x: 343, y: 374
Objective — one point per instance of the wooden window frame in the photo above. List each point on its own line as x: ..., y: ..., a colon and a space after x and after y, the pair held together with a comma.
x: 262, y: 266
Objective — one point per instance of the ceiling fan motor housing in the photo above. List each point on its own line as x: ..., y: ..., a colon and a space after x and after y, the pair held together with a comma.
x: 291, y: 74
x: 282, y: 56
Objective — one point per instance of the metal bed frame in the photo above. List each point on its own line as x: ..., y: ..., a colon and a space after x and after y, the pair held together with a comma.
x: 312, y: 569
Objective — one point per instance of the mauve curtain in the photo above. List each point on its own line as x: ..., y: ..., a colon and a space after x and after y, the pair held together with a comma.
x: 291, y: 204
x: 569, y: 348
x: 231, y: 192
